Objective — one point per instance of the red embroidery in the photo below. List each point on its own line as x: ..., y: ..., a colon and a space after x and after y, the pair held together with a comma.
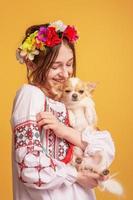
x: 22, y: 165
x: 39, y: 183
x: 51, y: 143
x: 58, y: 148
x: 21, y: 179
x: 53, y: 165
x: 68, y: 155
x: 39, y: 168
x: 30, y: 149
x: 20, y: 126
x: 27, y: 134
x: 63, y: 147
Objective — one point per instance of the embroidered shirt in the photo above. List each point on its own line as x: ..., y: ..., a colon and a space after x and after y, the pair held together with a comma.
x: 41, y: 168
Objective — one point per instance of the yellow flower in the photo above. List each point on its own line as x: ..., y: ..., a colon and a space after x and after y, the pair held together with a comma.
x: 31, y: 46
x: 29, y: 43
x: 40, y: 45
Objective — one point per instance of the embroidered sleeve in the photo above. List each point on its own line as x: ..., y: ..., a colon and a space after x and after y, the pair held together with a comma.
x: 35, y: 169
x: 99, y: 141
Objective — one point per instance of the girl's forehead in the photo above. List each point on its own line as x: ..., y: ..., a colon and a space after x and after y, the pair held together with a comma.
x: 65, y: 54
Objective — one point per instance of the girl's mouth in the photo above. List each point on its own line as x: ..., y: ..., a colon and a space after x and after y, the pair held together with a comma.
x: 59, y: 80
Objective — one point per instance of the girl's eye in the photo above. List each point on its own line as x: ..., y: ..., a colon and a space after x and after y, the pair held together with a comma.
x: 81, y: 91
x: 54, y: 67
x: 69, y: 64
x: 67, y: 91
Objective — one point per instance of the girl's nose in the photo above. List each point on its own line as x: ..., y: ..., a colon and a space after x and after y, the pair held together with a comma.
x: 64, y: 73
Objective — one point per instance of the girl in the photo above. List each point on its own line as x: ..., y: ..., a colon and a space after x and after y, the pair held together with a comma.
x: 42, y: 139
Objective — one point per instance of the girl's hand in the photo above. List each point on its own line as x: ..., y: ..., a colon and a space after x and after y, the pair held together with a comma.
x: 49, y: 121
x: 88, y: 179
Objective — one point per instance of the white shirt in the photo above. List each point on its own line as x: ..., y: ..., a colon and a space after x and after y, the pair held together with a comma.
x: 39, y: 172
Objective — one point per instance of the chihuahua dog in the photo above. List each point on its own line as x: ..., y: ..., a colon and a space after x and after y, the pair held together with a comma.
x: 77, y: 96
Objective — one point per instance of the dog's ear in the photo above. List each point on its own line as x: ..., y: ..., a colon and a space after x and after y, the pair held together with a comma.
x: 91, y: 86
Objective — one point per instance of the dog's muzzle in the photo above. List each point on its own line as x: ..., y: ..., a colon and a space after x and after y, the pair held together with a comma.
x: 74, y: 97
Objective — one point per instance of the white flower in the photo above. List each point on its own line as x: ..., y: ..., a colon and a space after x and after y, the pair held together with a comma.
x: 58, y: 25
x: 19, y: 57
x: 32, y: 54
x: 29, y: 55
x: 36, y: 52
x: 23, y: 53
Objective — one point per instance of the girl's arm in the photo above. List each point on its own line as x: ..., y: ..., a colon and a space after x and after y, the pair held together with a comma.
x: 88, y: 140
x: 34, y: 168
x: 49, y: 121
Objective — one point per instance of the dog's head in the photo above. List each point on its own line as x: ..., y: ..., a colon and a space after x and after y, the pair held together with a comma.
x: 74, y: 90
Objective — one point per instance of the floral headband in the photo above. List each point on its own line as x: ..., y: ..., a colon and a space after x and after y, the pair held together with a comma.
x: 49, y: 36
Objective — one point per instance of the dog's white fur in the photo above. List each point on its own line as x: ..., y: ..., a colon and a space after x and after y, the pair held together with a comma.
x: 82, y: 114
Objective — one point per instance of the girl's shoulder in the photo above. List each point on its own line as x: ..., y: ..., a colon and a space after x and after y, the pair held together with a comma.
x: 34, y: 92
x: 29, y: 94
x: 28, y: 88
x: 29, y: 101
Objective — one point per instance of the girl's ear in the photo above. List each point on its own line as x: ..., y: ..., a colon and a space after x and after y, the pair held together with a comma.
x: 91, y: 86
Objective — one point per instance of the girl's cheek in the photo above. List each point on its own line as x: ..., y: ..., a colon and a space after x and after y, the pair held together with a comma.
x: 52, y: 73
x: 70, y: 72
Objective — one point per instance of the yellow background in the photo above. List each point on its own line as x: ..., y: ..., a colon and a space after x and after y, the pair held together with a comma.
x: 104, y: 54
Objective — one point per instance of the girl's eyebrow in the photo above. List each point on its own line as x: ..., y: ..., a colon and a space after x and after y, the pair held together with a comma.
x: 59, y: 62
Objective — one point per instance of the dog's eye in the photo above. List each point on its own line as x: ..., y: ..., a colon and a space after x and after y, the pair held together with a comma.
x: 81, y: 91
x: 67, y: 91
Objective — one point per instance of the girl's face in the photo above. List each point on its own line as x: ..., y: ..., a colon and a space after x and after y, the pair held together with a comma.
x: 62, y: 68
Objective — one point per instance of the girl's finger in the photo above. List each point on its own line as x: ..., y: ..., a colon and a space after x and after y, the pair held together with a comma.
x: 43, y: 122
x: 42, y: 116
x: 48, y: 126
x: 38, y: 117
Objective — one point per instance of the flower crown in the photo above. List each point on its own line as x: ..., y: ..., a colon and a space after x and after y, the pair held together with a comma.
x: 47, y: 36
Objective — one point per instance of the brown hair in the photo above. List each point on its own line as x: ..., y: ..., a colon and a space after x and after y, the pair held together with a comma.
x: 43, y: 62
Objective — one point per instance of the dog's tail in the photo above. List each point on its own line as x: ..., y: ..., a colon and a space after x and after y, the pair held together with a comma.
x: 111, y: 185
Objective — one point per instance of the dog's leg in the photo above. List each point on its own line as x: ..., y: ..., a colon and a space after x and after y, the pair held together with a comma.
x: 72, y: 119
x: 91, y: 116
x: 96, y: 163
x: 77, y: 157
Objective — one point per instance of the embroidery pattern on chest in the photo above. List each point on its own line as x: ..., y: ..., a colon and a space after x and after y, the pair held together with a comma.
x: 56, y: 147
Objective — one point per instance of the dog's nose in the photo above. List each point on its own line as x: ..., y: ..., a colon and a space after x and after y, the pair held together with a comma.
x: 74, y: 96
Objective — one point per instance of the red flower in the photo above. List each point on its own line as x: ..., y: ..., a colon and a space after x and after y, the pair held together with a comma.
x: 70, y: 33
x: 52, y: 37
